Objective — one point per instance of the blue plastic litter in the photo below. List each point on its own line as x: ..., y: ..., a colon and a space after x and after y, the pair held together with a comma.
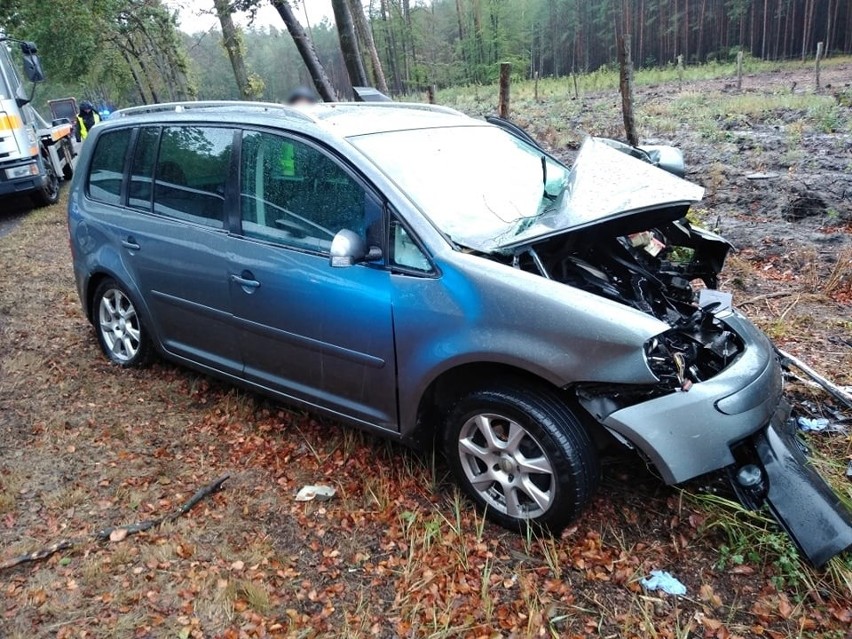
x: 661, y: 580
x: 816, y: 425
x: 820, y: 425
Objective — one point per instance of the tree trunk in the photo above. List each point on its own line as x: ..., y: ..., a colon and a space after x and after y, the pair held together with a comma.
x: 306, y: 50
x: 366, y: 35
x: 232, y: 41
x: 390, y: 45
x: 349, y: 43
x: 626, y: 65
x: 134, y: 74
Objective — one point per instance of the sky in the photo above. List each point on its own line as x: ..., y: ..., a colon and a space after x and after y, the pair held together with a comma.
x: 198, y: 15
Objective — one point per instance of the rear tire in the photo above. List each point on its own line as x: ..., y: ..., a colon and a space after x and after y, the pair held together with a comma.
x: 122, y: 336
x: 522, y: 455
x: 49, y: 193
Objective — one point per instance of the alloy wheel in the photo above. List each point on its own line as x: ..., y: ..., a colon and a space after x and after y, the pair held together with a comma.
x: 507, y: 466
x: 119, y: 325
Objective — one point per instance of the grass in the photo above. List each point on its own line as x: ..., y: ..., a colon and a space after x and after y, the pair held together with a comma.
x: 753, y: 537
x: 560, y: 120
x: 607, y: 79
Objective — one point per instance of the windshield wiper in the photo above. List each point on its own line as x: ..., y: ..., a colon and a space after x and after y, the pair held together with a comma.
x: 545, y: 195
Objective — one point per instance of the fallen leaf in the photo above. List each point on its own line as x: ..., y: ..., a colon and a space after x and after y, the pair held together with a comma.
x: 118, y: 534
x: 238, y: 565
x: 784, y: 607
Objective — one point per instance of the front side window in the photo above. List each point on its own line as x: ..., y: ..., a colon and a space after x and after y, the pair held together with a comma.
x: 404, y: 251
x: 107, y: 168
x: 295, y: 195
x: 191, y: 174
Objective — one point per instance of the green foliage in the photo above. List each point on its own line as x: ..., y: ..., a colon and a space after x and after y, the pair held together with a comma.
x: 109, y: 51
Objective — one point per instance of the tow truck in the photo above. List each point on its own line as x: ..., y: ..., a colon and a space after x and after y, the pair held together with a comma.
x: 34, y: 156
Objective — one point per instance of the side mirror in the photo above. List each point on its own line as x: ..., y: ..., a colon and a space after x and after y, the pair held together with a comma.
x: 668, y: 158
x: 348, y: 248
x: 32, y: 65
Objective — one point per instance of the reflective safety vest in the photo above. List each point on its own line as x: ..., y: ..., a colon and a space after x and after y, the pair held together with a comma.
x: 288, y: 159
x: 83, y: 130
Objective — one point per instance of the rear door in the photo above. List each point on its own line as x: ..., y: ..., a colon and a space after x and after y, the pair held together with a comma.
x: 174, y: 238
x: 309, y: 331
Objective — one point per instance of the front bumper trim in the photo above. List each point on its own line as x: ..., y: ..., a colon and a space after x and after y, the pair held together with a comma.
x: 800, y: 500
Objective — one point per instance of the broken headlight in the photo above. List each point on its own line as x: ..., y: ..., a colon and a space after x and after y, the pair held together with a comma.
x: 694, y: 351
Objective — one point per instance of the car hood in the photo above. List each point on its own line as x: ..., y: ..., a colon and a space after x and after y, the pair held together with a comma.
x: 605, y: 186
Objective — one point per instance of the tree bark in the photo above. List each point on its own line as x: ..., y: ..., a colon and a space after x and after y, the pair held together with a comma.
x: 503, y: 98
x: 626, y: 63
x: 366, y: 35
x: 306, y: 50
x: 349, y: 43
x: 232, y: 41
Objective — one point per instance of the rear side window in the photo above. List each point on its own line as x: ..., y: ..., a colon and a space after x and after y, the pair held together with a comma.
x: 107, y: 168
x: 191, y: 173
x: 142, y: 169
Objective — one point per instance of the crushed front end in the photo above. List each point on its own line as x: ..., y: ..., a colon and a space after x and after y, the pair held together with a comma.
x: 622, y: 233
x: 718, y: 403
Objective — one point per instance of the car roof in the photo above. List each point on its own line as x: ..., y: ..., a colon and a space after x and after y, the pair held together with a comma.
x: 341, y: 119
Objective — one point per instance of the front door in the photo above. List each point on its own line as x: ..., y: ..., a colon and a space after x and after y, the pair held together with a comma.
x: 309, y: 331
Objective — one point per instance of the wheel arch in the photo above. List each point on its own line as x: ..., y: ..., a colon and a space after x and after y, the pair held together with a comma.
x: 452, y: 383
x: 91, y: 286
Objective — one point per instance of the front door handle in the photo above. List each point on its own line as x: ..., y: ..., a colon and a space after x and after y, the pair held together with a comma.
x: 246, y: 280
x: 130, y: 243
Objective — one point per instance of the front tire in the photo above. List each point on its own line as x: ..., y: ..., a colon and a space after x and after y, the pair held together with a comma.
x: 49, y: 193
x: 522, y: 455
x: 122, y: 336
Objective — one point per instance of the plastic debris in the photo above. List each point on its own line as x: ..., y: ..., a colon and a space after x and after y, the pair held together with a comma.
x: 661, y: 580
x: 849, y: 471
x: 819, y: 425
x: 320, y: 493
x: 762, y: 176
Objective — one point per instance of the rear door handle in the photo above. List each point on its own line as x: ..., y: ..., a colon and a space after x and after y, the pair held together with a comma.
x: 130, y: 243
x: 246, y: 280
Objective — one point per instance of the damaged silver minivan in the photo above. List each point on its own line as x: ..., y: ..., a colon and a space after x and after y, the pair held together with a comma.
x: 422, y: 274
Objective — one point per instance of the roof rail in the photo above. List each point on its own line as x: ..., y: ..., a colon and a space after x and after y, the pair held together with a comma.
x: 417, y: 106
x: 179, y: 107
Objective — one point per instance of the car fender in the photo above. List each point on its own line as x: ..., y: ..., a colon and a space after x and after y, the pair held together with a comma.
x: 481, y: 311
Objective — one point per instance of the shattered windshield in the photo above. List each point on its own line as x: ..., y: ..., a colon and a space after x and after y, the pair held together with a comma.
x: 478, y: 184
x: 492, y: 192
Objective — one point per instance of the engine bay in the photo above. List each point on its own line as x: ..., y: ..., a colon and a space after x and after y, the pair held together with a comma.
x: 659, y: 271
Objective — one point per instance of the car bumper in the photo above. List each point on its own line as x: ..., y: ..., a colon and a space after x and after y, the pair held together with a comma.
x: 21, y: 185
x: 802, y: 503
x: 686, y: 434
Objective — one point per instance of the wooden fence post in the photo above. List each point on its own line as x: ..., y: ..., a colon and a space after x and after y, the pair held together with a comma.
x: 818, y: 57
x: 503, y: 101
x: 739, y: 70
x: 430, y: 94
x: 535, y: 87
x: 625, y: 61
